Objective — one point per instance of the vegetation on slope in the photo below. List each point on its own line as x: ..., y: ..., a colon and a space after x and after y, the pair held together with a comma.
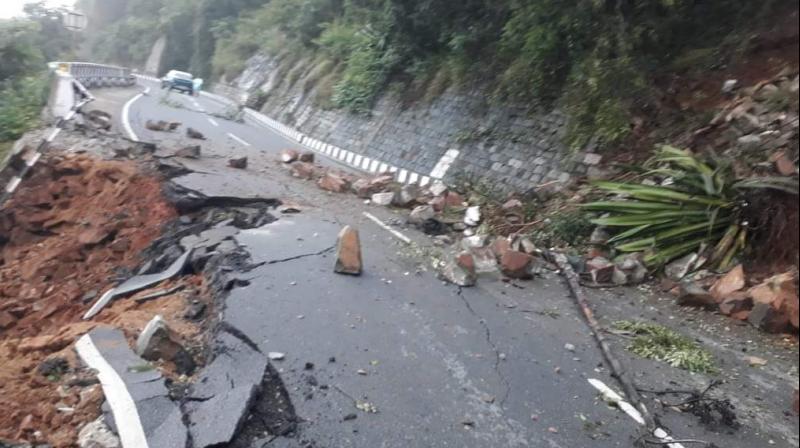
x: 597, y: 57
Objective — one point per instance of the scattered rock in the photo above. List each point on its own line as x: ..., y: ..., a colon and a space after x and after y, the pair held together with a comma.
x: 453, y: 199
x: 406, y: 195
x: 157, y: 341
x: 485, y: 259
x: 333, y: 182
x: 460, y: 271
x: 96, y: 434
x: 767, y: 318
x: 692, y: 294
x: 55, y: 366
x: 159, y: 126
x: 366, y: 187
x: 599, y: 236
x: 383, y: 198
x: 601, y: 269
x: 755, y: 361
x: 474, y: 241
x: 783, y: 164
x: 630, y: 270
x: 195, y: 134
x: 289, y: 155
x: 276, y: 356
x: 729, y: 85
x: 438, y: 188
x: 348, y: 252
x: 472, y: 217
x: 735, y: 302
x: 350, y: 417
x: 527, y: 246
x: 512, y: 204
x: 307, y: 157
x: 500, y: 246
x: 433, y: 226
x: 189, y: 152
x: 678, y: 269
x: 731, y: 282
x: 421, y: 213
x: 515, y: 264
x: 238, y: 162
x: 303, y: 170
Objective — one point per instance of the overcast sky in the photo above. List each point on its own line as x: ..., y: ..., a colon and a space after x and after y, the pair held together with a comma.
x: 12, y: 8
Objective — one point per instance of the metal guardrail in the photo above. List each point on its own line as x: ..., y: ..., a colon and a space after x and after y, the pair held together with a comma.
x: 96, y: 75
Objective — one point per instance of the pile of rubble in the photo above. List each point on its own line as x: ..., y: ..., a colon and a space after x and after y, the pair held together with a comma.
x: 74, y: 229
x: 757, y: 128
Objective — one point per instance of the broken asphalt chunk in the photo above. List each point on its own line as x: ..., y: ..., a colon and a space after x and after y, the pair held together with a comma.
x: 138, y: 283
x: 238, y: 163
x: 348, y: 252
x: 189, y: 152
x: 219, y: 418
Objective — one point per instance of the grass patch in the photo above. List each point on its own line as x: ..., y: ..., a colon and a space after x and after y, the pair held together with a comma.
x: 663, y: 344
x: 5, y: 147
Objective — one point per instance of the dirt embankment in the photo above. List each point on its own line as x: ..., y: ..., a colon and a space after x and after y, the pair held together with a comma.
x: 71, y: 232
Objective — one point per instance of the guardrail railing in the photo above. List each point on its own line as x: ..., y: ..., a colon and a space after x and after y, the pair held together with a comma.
x: 96, y: 75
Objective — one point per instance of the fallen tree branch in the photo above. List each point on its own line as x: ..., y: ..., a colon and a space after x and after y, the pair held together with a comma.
x: 618, y: 371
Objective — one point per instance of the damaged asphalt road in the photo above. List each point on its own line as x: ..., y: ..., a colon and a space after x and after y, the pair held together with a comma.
x: 305, y: 357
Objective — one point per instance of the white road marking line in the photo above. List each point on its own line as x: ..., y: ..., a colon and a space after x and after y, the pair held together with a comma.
x: 129, y: 425
x: 611, y: 396
x: 53, y: 134
x: 212, y: 121
x: 126, y: 110
x: 12, y: 185
x: 384, y: 226
x: 238, y: 139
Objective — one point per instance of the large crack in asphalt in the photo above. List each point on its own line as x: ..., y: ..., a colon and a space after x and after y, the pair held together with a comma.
x: 491, y: 343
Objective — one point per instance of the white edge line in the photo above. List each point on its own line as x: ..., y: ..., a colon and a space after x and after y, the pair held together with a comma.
x: 129, y: 425
x: 12, y: 185
x: 384, y: 226
x: 238, y: 139
x: 212, y: 121
x: 613, y: 397
x: 126, y: 123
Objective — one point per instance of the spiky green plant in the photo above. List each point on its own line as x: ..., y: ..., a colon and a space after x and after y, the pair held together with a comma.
x: 663, y: 344
x: 697, y: 206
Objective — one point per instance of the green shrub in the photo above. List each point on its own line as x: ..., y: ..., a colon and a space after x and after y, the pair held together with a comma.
x: 21, y: 104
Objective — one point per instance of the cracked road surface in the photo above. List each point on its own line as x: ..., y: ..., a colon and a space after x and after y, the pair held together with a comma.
x: 440, y: 366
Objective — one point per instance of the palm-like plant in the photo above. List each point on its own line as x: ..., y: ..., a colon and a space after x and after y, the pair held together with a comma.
x: 698, y: 206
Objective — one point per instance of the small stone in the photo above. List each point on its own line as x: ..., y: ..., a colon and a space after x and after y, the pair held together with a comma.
x: 96, y: 434
x: 276, y: 356
x: 288, y: 155
x: 512, y: 204
x: 527, y: 246
x: 383, y: 199
x: 678, y: 269
x: 348, y: 252
x: 195, y: 134
x: 309, y: 366
x: 755, y: 361
x: 458, y: 272
x: 599, y: 236
x: 189, y: 152
x: 238, y: 162
x: 472, y: 217
x: 569, y: 347
x: 783, y: 164
x: 361, y: 372
x: 307, y: 157
x: 438, y: 188
x: 729, y: 85
x: 349, y: 417
x: 486, y: 398
x: 474, y: 241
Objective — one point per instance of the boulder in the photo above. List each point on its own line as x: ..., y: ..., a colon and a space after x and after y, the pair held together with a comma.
x: 238, y: 162
x: 333, y: 182
x: 731, y: 282
x: 189, y: 152
x: 366, y: 187
x: 515, y: 264
x: 289, y: 155
x: 601, y: 269
x: 348, y: 252
x: 692, y: 294
x: 421, y: 213
x: 406, y: 195
x: 735, y: 302
x: 460, y: 271
x: 195, y: 134
x: 384, y: 199
x: 500, y: 246
x: 158, y: 341
x: 303, y: 170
